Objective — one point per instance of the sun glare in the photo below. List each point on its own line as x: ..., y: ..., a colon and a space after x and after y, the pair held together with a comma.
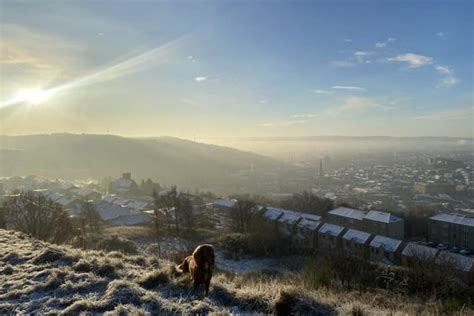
x: 33, y: 96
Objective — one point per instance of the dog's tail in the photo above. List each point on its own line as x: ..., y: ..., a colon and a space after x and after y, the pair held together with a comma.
x: 184, y: 266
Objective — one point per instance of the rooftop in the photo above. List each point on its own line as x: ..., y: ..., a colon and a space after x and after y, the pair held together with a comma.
x: 357, y: 236
x: 348, y: 212
x: 388, y: 244
x: 331, y: 229
x: 454, y: 219
x: 382, y: 217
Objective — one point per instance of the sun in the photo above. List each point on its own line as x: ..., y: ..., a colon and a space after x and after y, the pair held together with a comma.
x: 33, y: 96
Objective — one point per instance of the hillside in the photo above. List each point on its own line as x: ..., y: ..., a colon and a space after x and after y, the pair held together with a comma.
x: 164, y: 159
x: 37, y: 277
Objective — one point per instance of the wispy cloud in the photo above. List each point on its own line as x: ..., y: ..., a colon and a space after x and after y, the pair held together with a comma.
x: 342, y: 63
x: 361, y: 57
x: 440, y: 34
x: 453, y: 114
x: 449, y: 78
x: 351, y: 88
x: 283, y: 123
x: 320, y: 91
x: 200, y: 79
x: 357, y: 104
x: 413, y: 60
x: 191, y: 58
x: 385, y: 43
x: 303, y: 115
x: 348, y: 40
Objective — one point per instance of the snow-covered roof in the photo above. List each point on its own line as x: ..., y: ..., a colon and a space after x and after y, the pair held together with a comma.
x: 420, y: 251
x: 225, y: 203
x: 348, y: 212
x: 109, y: 211
x: 66, y: 200
x: 273, y: 213
x: 120, y: 201
x: 388, y: 244
x: 290, y: 217
x: 311, y: 217
x: 331, y: 229
x: 382, y: 217
x: 454, y: 219
x: 83, y: 191
x: 109, y: 198
x: 309, y: 224
x: 137, y: 204
x: 356, y: 236
x: 131, y: 219
x: 456, y: 260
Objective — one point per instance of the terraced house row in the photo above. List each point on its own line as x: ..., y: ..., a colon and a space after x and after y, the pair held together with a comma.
x: 367, y: 235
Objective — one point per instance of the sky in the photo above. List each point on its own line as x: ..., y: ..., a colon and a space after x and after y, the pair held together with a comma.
x: 205, y: 69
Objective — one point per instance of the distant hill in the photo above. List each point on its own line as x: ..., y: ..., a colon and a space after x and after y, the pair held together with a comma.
x: 164, y: 159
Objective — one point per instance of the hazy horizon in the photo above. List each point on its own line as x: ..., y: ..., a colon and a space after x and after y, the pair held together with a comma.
x: 205, y: 70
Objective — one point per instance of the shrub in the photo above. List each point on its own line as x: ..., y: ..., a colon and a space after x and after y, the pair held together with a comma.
x: 153, y: 279
x: 118, y: 244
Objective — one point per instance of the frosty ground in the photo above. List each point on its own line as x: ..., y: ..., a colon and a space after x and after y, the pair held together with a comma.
x: 37, y: 277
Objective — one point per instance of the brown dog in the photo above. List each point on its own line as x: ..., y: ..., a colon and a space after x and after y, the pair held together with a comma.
x: 199, y: 265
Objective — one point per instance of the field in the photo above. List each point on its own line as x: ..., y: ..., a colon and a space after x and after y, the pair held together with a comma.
x: 37, y: 277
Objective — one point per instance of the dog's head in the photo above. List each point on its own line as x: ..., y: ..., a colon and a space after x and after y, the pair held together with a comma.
x: 204, y: 256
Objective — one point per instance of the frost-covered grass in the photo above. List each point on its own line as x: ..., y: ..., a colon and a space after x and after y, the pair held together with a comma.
x: 37, y: 277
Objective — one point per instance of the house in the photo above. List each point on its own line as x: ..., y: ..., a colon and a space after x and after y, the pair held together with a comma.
x: 272, y: 214
x: 415, y: 253
x: 329, y: 236
x: 347, y: 217
x: 86, y: 194
x: 307, y: 233
x: 452, y: 230
x: 385, y: 249
x: 225, y: 203
x: 138, y: 204
x: 70, y: 204
x: 110, y: 211
x: 134, y: 218
x: 124, y: 186
x: 385, y: 224
x: 464, y: 264
x: 355, y: 243
x: 287, y: 222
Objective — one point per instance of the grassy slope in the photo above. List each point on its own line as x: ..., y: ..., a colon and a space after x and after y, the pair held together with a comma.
x: 39, y: 277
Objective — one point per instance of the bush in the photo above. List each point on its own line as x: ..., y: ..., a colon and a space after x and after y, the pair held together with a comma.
x: 118, y: 244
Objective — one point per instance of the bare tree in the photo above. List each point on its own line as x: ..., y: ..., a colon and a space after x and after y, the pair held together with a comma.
x: 34, y: 214
x: 242, y: 213
x: 90, y: 220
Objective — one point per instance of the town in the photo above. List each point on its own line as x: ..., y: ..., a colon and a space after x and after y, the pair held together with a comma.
x: 369, y: 217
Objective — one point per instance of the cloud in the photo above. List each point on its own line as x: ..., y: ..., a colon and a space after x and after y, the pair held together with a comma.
x: 440, y: 34
x: 413, y: 60
x: 342, y: 64
x: 283, y: 123
x: 453, y: 114
x: 355, y: 104
x: 385, y: 43
x: 348, y: 40
x: 200, y: 79
x: 320, y: 91
x: 361, y: 56
x: 351, y: 88
x: 448, y: 79
x: 303, y: 115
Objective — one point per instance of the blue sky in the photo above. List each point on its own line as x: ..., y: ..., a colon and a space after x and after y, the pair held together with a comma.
x: 235, y: 68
